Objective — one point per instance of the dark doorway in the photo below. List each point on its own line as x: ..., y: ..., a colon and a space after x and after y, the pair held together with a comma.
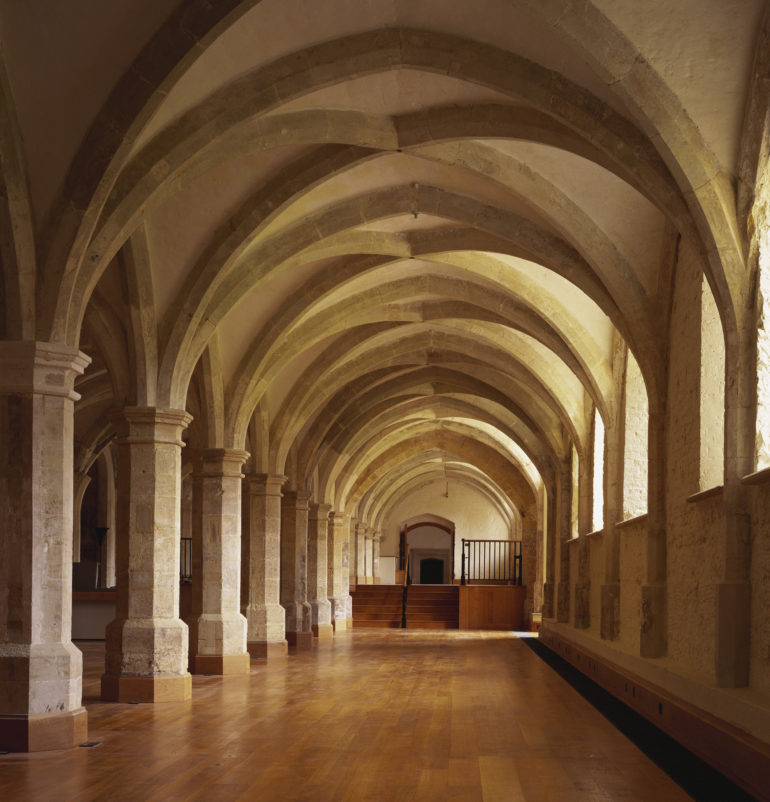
x: 431, y: 571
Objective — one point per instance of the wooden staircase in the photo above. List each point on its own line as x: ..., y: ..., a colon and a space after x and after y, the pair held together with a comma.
x: 433, y: 607
x: 428, y: 606
x: 377, y: 606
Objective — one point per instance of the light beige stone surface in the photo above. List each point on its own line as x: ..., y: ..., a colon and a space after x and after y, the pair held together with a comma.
x: 40, y: 669
x: 294, y: 566
x: 217, y: 626
x: 147, y: 639
x: 317, y: 566
x: 266, y: 621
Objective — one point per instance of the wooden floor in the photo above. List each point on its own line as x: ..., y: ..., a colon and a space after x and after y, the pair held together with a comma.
x: 375, y: 715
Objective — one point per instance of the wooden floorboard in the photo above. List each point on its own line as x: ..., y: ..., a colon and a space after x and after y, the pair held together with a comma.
x: 373, y: 715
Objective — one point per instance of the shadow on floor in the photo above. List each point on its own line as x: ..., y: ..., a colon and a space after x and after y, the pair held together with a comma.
x: 701, y: 781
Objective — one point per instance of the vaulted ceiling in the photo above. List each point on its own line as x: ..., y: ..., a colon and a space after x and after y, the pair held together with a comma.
x: 373, y: 241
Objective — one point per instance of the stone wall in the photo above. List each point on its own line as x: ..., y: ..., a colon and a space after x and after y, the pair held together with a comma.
x: 693, y: 528
x: 759, y: 672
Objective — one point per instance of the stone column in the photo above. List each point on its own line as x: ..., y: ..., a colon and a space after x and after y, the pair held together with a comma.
x: 218, y: 630
x: 317, y: 571
x: 350, y: 527
x: 581, y: 618
x: 105, y: 479
x: 653, y: 633
x: 566, y: 491
x: 146, y: 644
x: 338, y: 570
x: 360, y: 536
x: 80, y: 482
x: 294, y: 514
x: 369, y: 557
x: 551, y: 535
x: 376, y: 557
x: 265, y: 618
x: 40, y: 668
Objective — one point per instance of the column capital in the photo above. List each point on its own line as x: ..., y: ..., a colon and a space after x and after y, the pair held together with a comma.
x: 338, y: 518
x: 320, y: 512
x: 147, y: 425
x: 266, y: 484
x: 222, y: 461
x: 300, y: 498
x: 43, y: 368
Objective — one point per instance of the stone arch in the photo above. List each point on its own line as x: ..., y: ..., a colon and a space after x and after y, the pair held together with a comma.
x: 335, y: 373
x: 18, y: 263
x: 531, y: 242
x: 569, y: 340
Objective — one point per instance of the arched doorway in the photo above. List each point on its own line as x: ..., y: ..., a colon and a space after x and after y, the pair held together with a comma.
x: 430, y: 542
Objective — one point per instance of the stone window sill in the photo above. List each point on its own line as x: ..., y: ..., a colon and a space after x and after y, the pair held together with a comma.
x: 629, y: 521
x: 704, y: 494
x: 759, y: 478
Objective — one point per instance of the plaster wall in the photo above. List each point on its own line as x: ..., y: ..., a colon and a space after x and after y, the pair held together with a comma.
x: 473, y: 514
x: 693, y: 527
x: 428, y: 537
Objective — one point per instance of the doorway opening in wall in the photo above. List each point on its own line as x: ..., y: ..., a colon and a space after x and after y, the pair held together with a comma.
x: 429, y: 540
x: 431, y: 571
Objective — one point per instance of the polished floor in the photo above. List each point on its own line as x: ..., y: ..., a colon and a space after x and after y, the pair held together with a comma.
x: 375, y: 715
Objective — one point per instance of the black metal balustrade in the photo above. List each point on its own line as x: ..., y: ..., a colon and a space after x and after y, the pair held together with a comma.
x: 491, y: 561
x: 185, y: 560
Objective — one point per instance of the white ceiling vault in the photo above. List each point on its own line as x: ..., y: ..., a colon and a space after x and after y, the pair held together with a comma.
x: 375, y: 242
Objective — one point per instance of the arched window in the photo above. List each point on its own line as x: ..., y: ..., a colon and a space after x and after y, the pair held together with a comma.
x: 712, y: 393
x: 597, y: 518
x: 636, y: 422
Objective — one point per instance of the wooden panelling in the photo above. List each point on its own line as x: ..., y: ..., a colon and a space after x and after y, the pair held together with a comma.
x: 492, y: 607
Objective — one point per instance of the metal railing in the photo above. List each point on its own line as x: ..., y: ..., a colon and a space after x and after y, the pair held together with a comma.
x: 185, y: 560
x: 407, y: 582
x: 497, y: 561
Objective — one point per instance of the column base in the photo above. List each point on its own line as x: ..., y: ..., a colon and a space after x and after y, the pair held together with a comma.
x: 301, y: 641
x: 157, y: 688
x: 350, y: 622
x: 340, y: 625
x: 323, y: 631
x: 269, y: 650
x: 220, y: 664
x: 43, y: 731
